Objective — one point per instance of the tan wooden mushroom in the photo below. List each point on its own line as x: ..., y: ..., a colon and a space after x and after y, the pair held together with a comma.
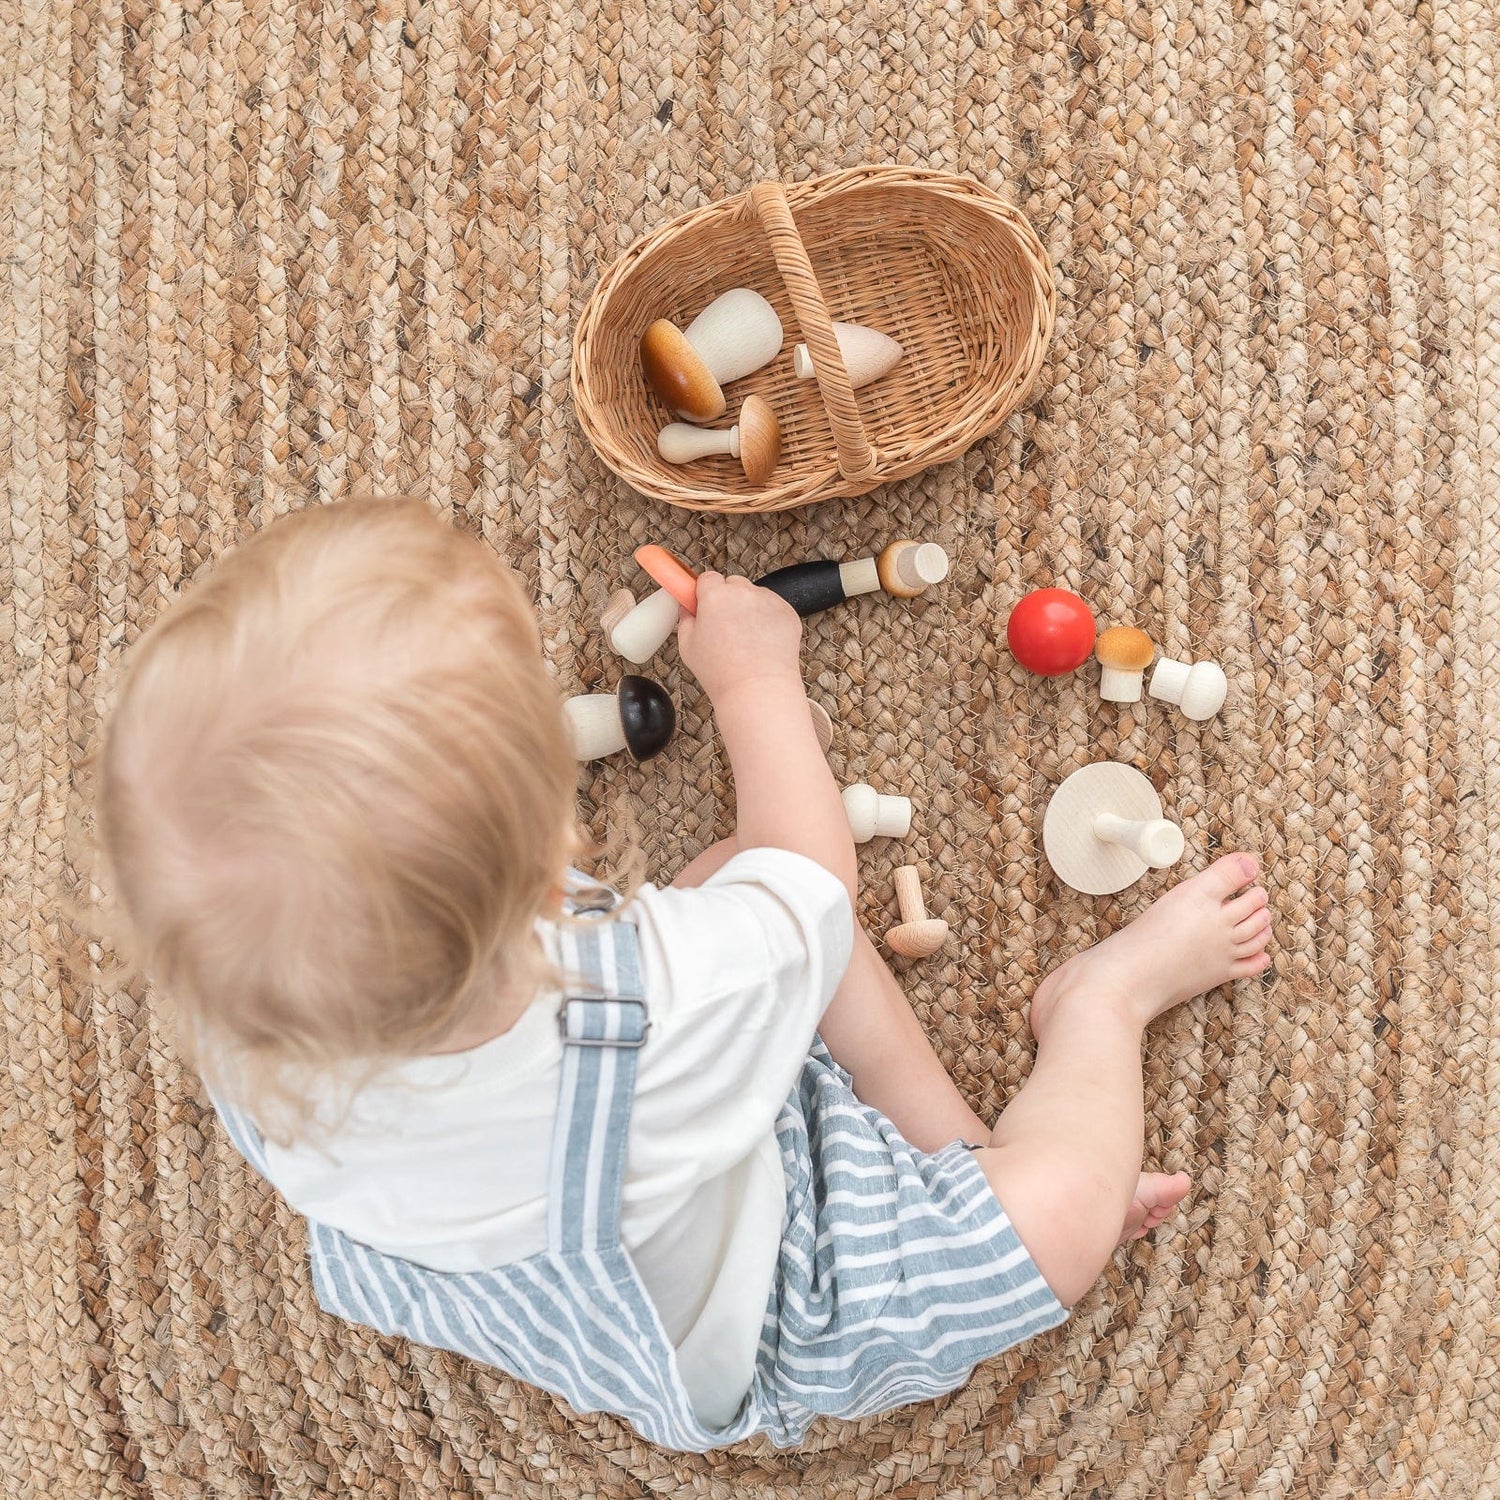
x: 917, y: 935
x: 755, y: 440
x: 867, y: 354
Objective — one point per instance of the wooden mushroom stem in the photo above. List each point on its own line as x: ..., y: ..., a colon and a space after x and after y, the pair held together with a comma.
x: 1156, y: 841
x: 873, y: 814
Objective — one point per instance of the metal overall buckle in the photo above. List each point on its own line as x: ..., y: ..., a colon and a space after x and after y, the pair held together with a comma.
x: 601, y: 1041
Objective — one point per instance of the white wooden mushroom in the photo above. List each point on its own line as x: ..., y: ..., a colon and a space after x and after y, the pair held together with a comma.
x: 873, y: 814
x: 638, y: 631
x: 1198, y: 688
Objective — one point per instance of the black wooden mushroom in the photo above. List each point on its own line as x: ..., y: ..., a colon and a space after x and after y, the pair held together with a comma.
x: 638, y: 717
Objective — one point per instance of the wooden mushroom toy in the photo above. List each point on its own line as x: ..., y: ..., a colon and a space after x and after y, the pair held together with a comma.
x: 755, y: 440
x: 872, y: 814
x: 867, y: 353
x: 638, y: 717
x: 638, y: 631
x: 1103, y: 829
x: 903, y: 569
x: 918, y: 934
x: 822, y: 725
x: 736, y: 333
x: 1199, y: 688
x: 1124, y: 654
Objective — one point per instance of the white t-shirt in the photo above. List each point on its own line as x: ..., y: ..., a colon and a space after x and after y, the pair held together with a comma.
x: 444, y: 1161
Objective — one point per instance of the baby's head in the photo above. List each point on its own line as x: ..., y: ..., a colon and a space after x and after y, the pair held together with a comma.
x: 335, y: 793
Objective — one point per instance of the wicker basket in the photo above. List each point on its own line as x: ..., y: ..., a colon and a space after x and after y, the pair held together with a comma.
x: 952, y: 272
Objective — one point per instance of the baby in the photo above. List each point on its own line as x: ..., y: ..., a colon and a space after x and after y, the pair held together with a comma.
x: 687, y: 1156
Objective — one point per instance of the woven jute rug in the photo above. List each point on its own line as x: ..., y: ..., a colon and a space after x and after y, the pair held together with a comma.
x: 258, y: 254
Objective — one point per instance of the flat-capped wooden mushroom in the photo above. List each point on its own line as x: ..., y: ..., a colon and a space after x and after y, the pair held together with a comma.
x: 822, y: 725
x: 872, y: 814
x: 1199, y: 688
x: 918, y: 934
x: 736, y: 333
x: 639, y: 717
x: 867, y: 353
x: 755, y: 440
x: 1124, y: 654
x: 1103, y: 829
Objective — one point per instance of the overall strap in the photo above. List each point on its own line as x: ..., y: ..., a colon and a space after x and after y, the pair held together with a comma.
x: 603, y: 1023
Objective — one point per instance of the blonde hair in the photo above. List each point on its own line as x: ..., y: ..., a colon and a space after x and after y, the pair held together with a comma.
x: 334, y: 795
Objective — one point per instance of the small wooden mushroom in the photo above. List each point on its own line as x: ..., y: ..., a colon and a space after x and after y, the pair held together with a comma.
x: 867, y: 353
x: 736, y: 333
x: 638, y: 631
x: 822, y: 725
x: 755, y: 440
x: 639, y: 717
x: 918, y: 934
x: 902, y: 569
x: 1124, y: 654
x: 1198, y: 688
x: 872, y: 814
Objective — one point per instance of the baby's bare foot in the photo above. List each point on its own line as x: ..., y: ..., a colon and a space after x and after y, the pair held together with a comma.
x: 1205, y: 931
x: 1156, y: 1195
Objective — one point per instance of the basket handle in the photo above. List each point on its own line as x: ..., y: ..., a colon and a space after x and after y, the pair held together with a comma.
x: 856, y: 456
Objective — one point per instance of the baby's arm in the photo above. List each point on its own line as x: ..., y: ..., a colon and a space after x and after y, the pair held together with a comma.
x: 744, y: 647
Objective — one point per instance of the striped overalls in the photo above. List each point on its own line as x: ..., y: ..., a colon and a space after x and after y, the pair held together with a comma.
x: 921, y: 1278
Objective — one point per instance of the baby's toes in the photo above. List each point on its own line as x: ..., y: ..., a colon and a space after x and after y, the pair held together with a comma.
x: 1248, y: 968
x: 1238, y: 908
x: 1252, y: 933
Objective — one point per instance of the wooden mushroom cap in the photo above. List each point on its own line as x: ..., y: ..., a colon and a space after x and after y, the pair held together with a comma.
x: 1125, y: 648
x: 647, y: 716
x: 918, y: 939
x: 760, y: 439
x: 678, y: 375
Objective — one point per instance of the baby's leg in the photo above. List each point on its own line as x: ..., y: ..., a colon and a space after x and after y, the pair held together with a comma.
x: 871, y: 1031
x: 1064, y: 1157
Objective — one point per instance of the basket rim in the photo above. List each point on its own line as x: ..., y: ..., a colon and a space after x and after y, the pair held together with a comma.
x: 825, y: 482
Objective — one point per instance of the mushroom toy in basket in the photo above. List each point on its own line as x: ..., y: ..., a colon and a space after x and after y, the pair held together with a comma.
x: 736, y: 333
x: 755, y: 440
x: 867, y: 354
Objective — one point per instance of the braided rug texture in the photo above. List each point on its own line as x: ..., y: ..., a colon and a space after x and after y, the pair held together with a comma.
x: 257, y: 254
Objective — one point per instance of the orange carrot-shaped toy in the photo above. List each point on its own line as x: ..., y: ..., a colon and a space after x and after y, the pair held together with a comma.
x: 671, y: 573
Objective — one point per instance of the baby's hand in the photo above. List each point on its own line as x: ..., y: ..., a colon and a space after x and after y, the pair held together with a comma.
x: 742, y: 633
